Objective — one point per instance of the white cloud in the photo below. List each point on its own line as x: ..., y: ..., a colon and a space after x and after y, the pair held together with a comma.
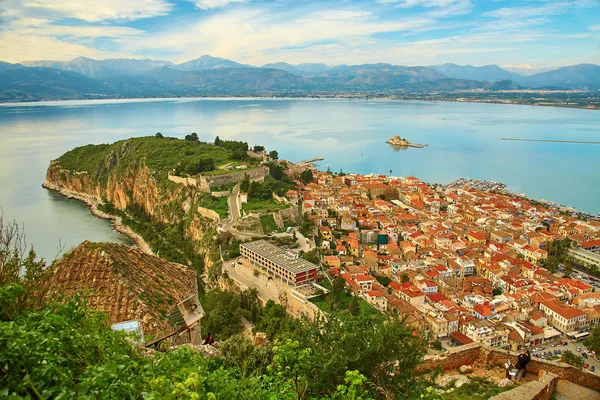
x: 595, y: 28
x: 17, y: 47
x: 210, y: 4
x: 90, y: 11
x: 426, y: 3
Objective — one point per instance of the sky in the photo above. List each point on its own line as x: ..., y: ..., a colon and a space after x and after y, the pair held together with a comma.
x: 511, y: 33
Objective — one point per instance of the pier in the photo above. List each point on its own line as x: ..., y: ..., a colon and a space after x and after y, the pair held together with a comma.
x: 551, y: 141
x: 310, y: 161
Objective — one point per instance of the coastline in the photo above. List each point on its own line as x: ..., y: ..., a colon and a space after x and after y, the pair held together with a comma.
x: 304, y: 97
x: 92, y: 203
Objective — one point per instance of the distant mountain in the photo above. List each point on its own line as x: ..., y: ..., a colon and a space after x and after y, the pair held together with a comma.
x: 83, y: 78
x: 208, y: 62
x: 284, y: 67
x: 486, y: 73
x: 300, y: 69
x: 527, y: 70
x: 41, y: 83
x: 379, y: 73
x: 226, y: 80
x: 5, y: 66
x: 574, y: 77
x: 101, y: 68
x: 504, y: 84
x: 132, y: 66
x: 312, y: 67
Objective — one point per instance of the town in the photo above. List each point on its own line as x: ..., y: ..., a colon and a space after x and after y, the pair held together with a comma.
x: 461, y: 264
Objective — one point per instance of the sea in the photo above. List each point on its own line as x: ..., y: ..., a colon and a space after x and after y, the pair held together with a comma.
x: 464, y: 140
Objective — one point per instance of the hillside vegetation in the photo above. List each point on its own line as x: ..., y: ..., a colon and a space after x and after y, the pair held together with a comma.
x: 60, y: 348
x: 161, y: 155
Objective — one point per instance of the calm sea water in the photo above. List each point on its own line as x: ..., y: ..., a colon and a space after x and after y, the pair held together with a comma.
x: 464, y: 141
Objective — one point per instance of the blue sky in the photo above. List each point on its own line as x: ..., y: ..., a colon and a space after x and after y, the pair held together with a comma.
x: 518, y: 33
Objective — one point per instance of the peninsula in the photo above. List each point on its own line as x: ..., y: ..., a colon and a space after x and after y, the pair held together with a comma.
x: 398, y: 141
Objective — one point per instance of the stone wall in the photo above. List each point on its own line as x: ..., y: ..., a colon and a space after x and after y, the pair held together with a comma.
x: 475, y: 353
x: 208, y: 213
x: 224, y: 193
x: 542, y: 389
x: 205, y: 183
x: 291, y: 214
x: 186, y: 181
x: 235, y: 177
x: 453, y: 358
x: 562, y: 370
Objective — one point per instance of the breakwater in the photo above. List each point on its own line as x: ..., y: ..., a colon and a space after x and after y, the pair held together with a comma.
x: 551, y: 141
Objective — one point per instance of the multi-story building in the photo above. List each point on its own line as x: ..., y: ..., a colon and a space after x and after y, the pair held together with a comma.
x: 486, y: 332
x: 285, y: 265
x: 563, y: 318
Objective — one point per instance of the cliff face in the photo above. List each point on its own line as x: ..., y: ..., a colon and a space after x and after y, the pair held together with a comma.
x: 136, y: 187
x: 121, y: 178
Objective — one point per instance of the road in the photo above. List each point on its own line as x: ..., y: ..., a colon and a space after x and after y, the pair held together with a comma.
x: 304, y: 244
x: 572, y: 346
x: 234, y: 205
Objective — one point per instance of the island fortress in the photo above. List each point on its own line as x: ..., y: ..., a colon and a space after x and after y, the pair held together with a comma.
x: 398, y: 141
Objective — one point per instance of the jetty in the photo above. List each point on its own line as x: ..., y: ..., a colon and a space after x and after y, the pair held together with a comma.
x: 310, y: 161
x: 551, y: 141
x: 397, y: 141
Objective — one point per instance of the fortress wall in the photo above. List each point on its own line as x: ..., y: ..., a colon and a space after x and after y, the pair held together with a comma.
x: 205, y: 212
x: 224, y: 193
x: 453, y: 358
x: 235, y: 177
x: 290, y: 214
x: 183, y: 180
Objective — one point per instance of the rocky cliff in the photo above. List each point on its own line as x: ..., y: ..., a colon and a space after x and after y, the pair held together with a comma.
x: 123, y: 180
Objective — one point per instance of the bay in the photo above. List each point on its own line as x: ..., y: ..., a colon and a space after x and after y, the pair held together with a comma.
x: 464, y: 141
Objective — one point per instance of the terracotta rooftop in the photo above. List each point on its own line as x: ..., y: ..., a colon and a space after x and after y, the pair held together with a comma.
x: 125, y: 283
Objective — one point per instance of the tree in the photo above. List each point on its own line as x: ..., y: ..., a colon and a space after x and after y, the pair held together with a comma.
x: 273, y: 155
x: 571, y: 358
x: 159, y: 135
x: 202, y: 164
x: 404, y: 278
x: 593, y: 341
x: 193, y: 137
x: 306, y: 176
x: 276, y: 171
x: 496, y: 291
x: 218, y: 142
x: 437, y: 345
x: 245, y: 184
x: 353, y: 307
x: 258, y: 149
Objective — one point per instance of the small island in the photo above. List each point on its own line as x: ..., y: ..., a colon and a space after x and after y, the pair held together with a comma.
x: 399, y: 142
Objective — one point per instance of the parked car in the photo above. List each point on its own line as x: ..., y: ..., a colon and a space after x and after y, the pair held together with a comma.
x: 586, y: 365
x: 559, y: 352
x: 578, y: 348
x: 592, y: 368
x: 565, y: 343
x: 553, y: 345
x: 584, y: 355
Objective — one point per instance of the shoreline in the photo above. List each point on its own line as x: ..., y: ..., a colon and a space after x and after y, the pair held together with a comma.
x: 306, y: 97
x: 92, y: 204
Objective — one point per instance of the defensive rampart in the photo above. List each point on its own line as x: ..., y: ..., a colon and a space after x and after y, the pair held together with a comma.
x: 205, y: 183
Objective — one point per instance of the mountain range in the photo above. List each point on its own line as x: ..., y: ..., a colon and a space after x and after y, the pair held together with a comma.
x: 88, y: 78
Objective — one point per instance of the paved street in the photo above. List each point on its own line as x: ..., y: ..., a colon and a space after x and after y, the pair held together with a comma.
x: 572, y: 346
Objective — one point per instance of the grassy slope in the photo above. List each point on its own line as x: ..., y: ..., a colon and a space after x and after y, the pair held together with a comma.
x: 160, y: 155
